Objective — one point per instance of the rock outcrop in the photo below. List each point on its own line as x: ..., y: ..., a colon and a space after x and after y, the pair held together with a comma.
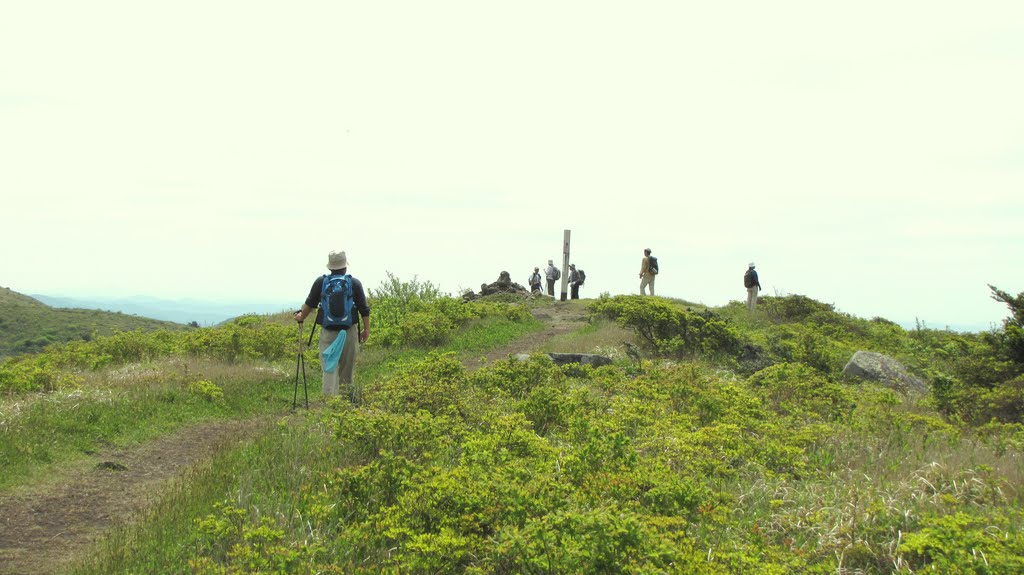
x: 885, y: 370
x: 504, y: 284
x: 567, y: 358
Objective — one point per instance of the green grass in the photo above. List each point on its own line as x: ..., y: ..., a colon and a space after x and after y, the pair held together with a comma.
x: 688, y: 466
x: 162, y: 540
x: 132, y: 404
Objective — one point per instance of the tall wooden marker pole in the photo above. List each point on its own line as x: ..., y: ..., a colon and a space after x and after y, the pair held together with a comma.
x: 565, y: 262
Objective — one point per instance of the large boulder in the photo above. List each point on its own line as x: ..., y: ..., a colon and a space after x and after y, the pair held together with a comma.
x: 885, y: 370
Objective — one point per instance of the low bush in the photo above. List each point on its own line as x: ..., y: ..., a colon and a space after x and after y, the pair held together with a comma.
x: 669, y: 330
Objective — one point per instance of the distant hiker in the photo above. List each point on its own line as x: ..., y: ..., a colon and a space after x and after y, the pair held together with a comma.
x: 552, y: 274
x: 753, y: 286
x: 648, y: 270
x: 534, y: 281
x: 340, y: 298
x: 576, y: 279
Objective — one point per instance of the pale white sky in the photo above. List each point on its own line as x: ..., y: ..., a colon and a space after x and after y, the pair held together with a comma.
x: 866, y: 154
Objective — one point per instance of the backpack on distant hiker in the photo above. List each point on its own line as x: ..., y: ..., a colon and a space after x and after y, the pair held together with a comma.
x: 749, y: 280
x: 337, y: 301
x: 652, y: 265
x: 580, y: 277
x: 558, y: 273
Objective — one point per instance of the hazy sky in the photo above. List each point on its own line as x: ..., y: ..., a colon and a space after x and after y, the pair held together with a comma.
x: 866, y: 154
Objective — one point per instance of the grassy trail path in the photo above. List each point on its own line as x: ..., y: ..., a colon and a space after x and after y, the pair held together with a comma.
x: 45, y: 526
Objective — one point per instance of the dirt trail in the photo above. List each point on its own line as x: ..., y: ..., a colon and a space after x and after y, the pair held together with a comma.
x: 559, y: 318
x: 44, y: 526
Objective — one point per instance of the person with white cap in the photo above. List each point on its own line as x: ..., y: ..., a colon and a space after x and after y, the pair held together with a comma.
x: 340, y: 336
x: 753, y: 286
x: 552, y: 274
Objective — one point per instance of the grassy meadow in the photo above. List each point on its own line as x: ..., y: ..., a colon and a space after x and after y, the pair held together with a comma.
x: 728, y: 443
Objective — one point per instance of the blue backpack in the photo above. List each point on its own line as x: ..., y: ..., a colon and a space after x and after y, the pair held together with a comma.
x: 337, y: 301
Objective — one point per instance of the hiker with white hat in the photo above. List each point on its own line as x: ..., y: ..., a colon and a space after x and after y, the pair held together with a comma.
x: 342, y: 306
x: 552, y: 274
x: 753, y: 286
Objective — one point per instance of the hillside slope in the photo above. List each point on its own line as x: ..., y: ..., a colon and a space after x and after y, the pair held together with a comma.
x: 28, y: 325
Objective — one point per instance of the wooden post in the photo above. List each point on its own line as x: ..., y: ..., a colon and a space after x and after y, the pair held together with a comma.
x: 565, y: 262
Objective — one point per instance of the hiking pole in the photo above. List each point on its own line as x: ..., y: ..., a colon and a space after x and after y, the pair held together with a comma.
x: 301, y: 361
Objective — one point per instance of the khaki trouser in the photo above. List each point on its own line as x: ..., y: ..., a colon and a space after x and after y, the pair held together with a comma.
x: 647, y: 280
x: 342, y: 375
x: 752, y: 298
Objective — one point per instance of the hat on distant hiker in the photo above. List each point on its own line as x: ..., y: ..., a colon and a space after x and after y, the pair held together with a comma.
x: 337, y: 261
x: 751, y: 264
x: 551, y: 262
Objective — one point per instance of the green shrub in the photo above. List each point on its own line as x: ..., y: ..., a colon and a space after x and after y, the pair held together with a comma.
x: 437, y: 385
x: 793, y: 389
x: 963, y: 543
x: 431, y: 323
x: 670, y: 330
x: 206, y: 389
x: 1011, y: 340
x: 794, y: 308
x: 426, y: 328
x: 516, y: 378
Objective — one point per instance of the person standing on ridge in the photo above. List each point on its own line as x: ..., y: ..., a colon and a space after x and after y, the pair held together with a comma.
x: 753, y: 286
x: 576, y: 278
x: 339, y: 298
x: 648, y: 270
x: 534, y: 281
x: 552, y: 274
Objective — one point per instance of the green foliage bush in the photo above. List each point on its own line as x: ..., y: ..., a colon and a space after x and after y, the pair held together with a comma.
x: 206, y: 389
x: 670, y: 330
x: 793, y: 389
x: 963, y: 543
x: 432, y: 324
x: 794, y: 308
x: 246, y: 339
x: 437, y: 385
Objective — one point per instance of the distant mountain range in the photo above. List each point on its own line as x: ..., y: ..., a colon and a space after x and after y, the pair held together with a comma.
x: 204, y: 313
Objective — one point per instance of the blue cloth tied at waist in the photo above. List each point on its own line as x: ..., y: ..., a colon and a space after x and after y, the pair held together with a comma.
x: 333, y: 352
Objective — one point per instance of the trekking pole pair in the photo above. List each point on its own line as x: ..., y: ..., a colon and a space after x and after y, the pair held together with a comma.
x: 301, y: 361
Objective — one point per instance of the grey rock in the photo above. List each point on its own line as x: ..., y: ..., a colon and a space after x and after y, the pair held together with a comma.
x: 885, y: 370
x: 580, y: 358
